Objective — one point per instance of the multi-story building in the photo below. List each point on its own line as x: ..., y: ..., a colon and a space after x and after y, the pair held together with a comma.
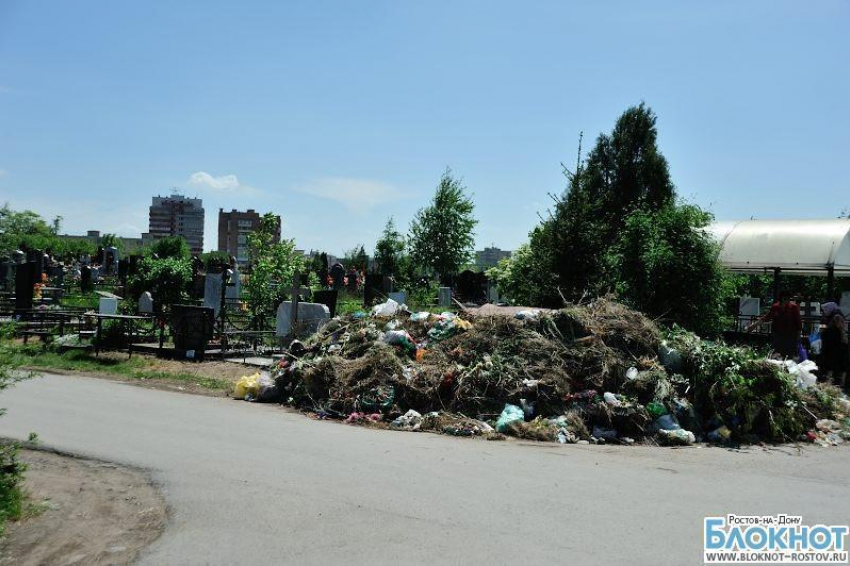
x: 177, y: 215
x: 233, y: 230
x: 489, y: 257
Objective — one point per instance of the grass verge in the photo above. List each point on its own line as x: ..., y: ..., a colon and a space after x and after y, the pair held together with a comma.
x: 34, y: 356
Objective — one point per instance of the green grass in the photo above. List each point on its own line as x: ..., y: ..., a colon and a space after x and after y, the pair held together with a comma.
x: 35, y: 356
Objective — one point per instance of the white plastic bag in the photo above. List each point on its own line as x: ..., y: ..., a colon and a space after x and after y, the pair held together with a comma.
x: 388, y: 308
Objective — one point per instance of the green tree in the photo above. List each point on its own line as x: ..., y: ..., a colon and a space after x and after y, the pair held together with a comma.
x: 167, y: 279
x: 441, y: 234
x: 357, y: 258
x: 171, y: 247
x: 666, y: 265
x: 215, y: 262
x: 273, y: 264
x: 110, y: 240
x: 389, y: 250
x: 521, y: 277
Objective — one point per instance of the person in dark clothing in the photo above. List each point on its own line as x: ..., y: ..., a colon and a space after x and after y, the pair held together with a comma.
x: 835, y: 351
x: 786, y: 328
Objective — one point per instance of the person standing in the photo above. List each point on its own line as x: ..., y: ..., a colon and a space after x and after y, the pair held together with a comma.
x: 786, y: 328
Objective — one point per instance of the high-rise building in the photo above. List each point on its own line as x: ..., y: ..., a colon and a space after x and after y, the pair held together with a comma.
x: 177, y: 215
x: 233, y: 230
x: 489, y: 257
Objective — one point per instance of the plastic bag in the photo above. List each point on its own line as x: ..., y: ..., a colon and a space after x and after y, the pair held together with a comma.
x: 532, y: 314
x: 389, y: 308
x: 510, y: 414
x: 247, y: 386
x: 420, y: 316
x: 677, y: 437
x: 267, y: 390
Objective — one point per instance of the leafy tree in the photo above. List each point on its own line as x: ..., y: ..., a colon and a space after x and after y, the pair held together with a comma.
x: 666, y: 265
x: 110, y: 240
x: 167, y: 279
x: 215, y: 262
x: 389, y: 250
x: 273, y: 265
x: 441, y: 234
x: 357, y: 258
x: 521, y: 277
x: 171, y: 246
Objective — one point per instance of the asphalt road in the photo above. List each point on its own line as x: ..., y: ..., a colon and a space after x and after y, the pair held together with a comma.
x: 257, y: 484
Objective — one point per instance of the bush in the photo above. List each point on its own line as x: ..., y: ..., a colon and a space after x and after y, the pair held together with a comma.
x: 168, y: 280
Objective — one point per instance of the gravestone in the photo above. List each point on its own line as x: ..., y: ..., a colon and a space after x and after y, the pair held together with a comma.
x: 311, y: 317
x: 95, y: 274
x: 212, y: 292
x: 234, y: 287
x: 749, y: 309
x: 145, y: 303
x: 399, y: 296
x: 24, y: 287
x: 327, y: 297
x: 123, y: 269
x: 110, y: 261
x: 444, y: 297
x: 371, y: 288
x: 492, y: 292
x: 4, y: 272
x: 108, y: 305
x: 56, y: 273
x: 351, y: 280
x: 85, y: 278
x: 338, y: 275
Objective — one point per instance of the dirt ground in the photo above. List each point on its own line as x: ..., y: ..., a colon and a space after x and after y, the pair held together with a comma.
x: 93, y: 513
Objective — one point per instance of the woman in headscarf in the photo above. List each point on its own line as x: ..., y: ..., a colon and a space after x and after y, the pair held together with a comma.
x: 835, y: 352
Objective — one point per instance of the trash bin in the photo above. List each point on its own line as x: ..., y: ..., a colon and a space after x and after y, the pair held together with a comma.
x: 192, y: 327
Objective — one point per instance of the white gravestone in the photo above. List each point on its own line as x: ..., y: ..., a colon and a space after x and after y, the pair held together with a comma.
x: 749, y: 309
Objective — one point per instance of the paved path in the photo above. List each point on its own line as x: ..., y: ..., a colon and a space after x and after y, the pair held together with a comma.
x: 256, y: 484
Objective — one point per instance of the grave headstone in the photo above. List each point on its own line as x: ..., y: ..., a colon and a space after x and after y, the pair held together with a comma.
x: 234, y: 287
x: 95, y: 274
x: 399, y: 296
x: 24, y: 286
x: 311, y: 317
x: 749, y: 309
x: 108, y: 305
x: 212, y: 292
x: 492, y: 292
x: 110, y: 262
x: 327, y: 297
x: 338, y: 275
x: 145, y: 303
x: 85, y: 278
x: 371, y: 287
x: 444, y: 297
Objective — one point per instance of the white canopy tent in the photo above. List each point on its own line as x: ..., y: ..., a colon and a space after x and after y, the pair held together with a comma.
x: 794, y: 247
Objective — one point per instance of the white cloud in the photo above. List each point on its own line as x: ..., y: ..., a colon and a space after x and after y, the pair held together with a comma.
x: 202, y: 180
x: 357, y: 195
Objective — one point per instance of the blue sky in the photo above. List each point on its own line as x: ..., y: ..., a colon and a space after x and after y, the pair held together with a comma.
x: 337, y: 115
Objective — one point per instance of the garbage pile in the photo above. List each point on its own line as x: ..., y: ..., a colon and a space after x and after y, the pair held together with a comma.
x: 599, y: 373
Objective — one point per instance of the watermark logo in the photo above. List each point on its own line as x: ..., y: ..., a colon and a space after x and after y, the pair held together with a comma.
x: 772, y: 539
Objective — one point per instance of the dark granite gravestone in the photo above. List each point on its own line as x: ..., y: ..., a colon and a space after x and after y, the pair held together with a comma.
x: 25, y: 280
x: 327, y: 297
x: 86, y: 284
x: 338, y: 275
